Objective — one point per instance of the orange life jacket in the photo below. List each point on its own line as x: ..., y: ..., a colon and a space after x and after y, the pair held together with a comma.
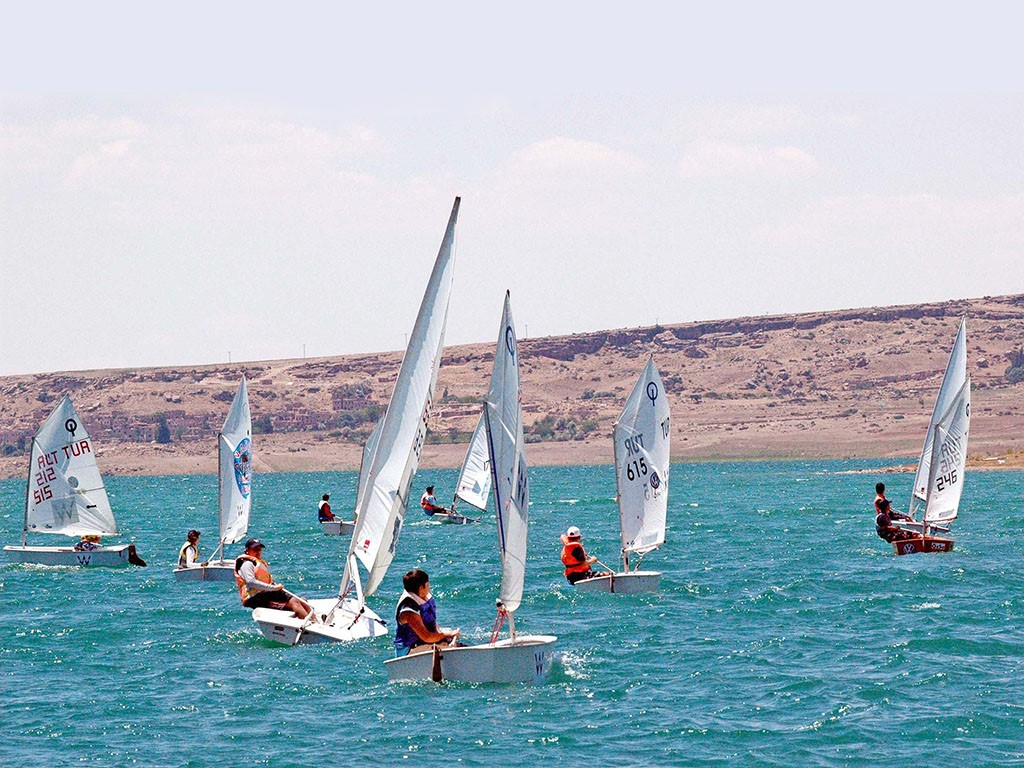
x: 572, y: 565
x: 262, y: 574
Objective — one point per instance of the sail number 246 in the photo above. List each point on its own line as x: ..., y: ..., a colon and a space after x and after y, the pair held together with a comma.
x: 946, y: 481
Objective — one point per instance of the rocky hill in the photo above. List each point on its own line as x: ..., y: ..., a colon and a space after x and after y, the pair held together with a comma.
x: 828, y: 384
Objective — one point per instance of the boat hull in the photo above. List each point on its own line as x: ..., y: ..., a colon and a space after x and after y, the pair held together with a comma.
x: 454, y: 519
x: 337, y: 527
x: 288, y: 629
x: 527, y: 659
x: 631, y: 583
x: 103, y: 557
x: 215, y: 570
x: 922, y: 545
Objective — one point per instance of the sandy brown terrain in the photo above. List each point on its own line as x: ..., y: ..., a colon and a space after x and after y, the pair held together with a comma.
x: 855, y: 383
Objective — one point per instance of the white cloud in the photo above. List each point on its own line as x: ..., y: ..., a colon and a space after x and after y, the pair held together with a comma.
x: 716, y: 159
x: 564, y: 155
x: 918, y: 221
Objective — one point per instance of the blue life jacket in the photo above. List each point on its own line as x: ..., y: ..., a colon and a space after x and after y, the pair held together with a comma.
x: 405, y: 636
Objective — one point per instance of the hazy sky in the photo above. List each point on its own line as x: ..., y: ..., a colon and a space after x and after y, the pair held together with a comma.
x: 182, y: 183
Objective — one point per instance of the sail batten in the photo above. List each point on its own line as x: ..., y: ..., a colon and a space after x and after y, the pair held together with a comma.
x: 394, y: 450
x: 642, y: 441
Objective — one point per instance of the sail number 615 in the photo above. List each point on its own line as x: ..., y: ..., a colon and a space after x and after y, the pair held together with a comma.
x: 635, y: 469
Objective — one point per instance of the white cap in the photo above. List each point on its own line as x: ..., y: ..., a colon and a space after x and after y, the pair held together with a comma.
x: 573, y: 532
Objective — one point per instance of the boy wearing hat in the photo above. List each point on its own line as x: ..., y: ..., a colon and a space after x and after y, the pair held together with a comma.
x: 257, y: 587
x: 575, y: 559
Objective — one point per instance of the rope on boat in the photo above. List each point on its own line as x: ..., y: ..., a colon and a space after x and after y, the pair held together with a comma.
x: 499, y: 620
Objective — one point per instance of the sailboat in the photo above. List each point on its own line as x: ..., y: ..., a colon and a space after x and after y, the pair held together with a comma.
x: 234, y: 451
x: 642, y: 435
x: 939, y: 480
x: 390, y: 458
x: 474, y: 485
x: 65, y: 495
x: 517, y: 658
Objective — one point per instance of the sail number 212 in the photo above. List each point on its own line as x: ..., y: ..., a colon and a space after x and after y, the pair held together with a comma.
x: 946, y: 481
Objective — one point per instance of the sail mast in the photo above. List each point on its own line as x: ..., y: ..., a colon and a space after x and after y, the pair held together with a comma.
x: 28, y: 492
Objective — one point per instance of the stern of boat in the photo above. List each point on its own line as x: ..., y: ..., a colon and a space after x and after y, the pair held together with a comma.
x: 527, y: 659
x: 922, y: 545
x: 631, y: 583
x: 337, y: 527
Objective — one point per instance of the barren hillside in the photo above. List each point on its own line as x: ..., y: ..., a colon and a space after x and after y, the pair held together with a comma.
x: 829, y: 384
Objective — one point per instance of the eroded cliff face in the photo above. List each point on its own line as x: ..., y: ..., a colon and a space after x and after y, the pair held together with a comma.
x: 851, y: 382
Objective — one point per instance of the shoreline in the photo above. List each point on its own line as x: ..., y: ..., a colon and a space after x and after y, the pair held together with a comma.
x: 308, y: 453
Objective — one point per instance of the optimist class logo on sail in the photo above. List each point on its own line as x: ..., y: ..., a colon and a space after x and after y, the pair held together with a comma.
x: 243, y: 467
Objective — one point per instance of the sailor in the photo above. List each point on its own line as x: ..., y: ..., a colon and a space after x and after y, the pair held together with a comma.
x: 882, y: 504
x: 324, y: 513
x: 416, y: 617
x: 886, y: 530
x: 257, y: 587
x: 575, y: 559
x: 88, y: 543
x: 429, y: 503
x: 189, y: 552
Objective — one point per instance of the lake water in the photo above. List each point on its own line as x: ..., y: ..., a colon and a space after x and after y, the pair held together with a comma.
x: 785, y: 633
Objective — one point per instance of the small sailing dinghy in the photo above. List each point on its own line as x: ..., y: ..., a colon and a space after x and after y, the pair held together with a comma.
x: 642, y: 441
x: 339, y: 527
x: 474, y: 486
x: 939, y: 480
x: 234, y: 451
x: 65, y: 495
x: 390, y: 458
x: 517, y: 658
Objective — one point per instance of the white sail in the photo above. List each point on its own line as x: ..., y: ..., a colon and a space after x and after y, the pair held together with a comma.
x: 504, y: 416
x: 948, y: 459
x: 235, y: 449
x: 952, y: 382
x: 382, y: 505
x: 642, y: 436
x: 369, y: 449
x: 474, y: 485
x: 65, y: 492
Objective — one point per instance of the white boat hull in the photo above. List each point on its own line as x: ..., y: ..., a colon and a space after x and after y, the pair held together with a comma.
x: 103, y: 557
x: 454, y: 519
x: 631, y: 583
x: 527, y: 659
x: 215, y: 570
x: 337, y: 527
x: 288, y: 629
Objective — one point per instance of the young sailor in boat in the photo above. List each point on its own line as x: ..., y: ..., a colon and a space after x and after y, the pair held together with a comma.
x: 88, y: 543
x: 416, y: 617
x: 882, y: 504
x: 324, y: 513
x: 575, y: 559
x: 884, y: 516
x: 429, y: 503
x: 188, y: 555
x: 257, y: 587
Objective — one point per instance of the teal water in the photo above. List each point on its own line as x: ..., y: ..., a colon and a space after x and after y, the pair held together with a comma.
x: 785, y: 633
